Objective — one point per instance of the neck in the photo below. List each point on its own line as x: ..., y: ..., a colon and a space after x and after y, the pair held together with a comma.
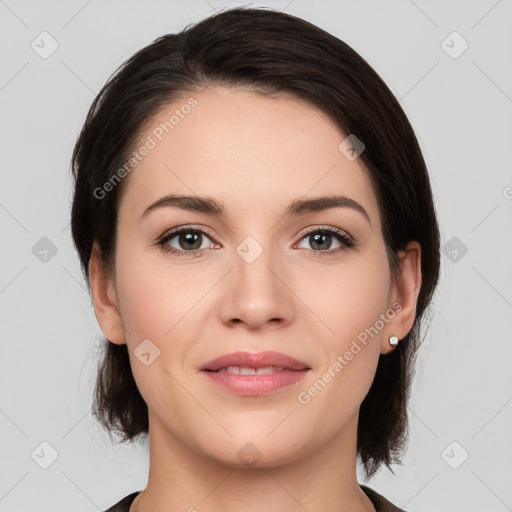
x: 182, y: 479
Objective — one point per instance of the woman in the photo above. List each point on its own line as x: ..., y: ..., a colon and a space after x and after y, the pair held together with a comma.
x: 255, y: 221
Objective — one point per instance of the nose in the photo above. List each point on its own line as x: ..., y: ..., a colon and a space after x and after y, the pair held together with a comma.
x: 257, y: 293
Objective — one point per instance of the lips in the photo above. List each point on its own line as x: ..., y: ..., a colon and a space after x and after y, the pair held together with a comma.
x: 254, y: 374
x: 241, y: 362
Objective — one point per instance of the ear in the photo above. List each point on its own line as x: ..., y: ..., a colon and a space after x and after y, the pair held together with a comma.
x: 406, y: 291
x: 105, y: 299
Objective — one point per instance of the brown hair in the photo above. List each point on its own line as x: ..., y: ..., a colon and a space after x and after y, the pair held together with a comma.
x: 271, y: 52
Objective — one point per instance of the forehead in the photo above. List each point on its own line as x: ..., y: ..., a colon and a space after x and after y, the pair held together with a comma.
x: 247, y: 150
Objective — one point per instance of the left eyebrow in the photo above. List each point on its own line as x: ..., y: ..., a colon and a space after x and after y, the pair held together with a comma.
x: 296, y: 207
x: 316, y: 204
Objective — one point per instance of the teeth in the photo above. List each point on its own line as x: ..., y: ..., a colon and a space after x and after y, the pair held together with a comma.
x: 250, y: 371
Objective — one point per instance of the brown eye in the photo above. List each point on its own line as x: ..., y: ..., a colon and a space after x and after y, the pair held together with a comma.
x: 185, y: 241
x: 321, y: 240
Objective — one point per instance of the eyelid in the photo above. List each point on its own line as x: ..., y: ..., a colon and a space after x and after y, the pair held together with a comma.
x: 320, y: 227
x: 162, y: 240
x: 186, y: 227
x: 205, y: 230
x: 346, y: 239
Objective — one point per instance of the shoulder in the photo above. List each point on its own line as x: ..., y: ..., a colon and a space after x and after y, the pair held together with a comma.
x: 124, y: 504
x: 380, y: 503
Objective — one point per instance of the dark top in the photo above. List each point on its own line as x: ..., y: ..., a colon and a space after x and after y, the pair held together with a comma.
x: 380, y: 503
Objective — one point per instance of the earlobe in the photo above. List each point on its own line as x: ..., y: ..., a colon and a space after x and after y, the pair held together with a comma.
x: 407, y: 288
x: 105, y: 300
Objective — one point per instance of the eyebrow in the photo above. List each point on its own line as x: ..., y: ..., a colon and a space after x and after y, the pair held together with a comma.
x: 296, y: 207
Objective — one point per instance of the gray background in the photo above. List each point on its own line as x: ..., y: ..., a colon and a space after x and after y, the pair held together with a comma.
x: 460, y: 105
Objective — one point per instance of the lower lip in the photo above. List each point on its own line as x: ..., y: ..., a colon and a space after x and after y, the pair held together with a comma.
x: 256, y: 385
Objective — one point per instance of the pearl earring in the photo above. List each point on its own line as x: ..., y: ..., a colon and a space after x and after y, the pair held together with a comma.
x: 393, y: 341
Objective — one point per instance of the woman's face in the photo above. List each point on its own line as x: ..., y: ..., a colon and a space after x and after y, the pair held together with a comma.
x: 260, y: 279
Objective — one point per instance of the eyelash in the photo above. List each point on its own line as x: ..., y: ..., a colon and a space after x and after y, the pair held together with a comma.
x: 347, y: 241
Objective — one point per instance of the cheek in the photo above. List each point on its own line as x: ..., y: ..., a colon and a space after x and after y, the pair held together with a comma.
x: 140, y: 299
x: 350, y: 298
x: 350, y: 305
x: 151, y: 308
x: 161, y: 302
x: 153, y: 295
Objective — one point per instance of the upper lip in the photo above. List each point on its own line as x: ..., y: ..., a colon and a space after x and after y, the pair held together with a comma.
x: 255, y: 360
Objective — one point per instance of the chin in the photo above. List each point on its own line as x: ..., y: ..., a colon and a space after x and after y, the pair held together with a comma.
x: 255, y: 451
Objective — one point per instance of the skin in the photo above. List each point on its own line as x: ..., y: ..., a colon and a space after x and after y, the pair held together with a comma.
x: 254, y: 154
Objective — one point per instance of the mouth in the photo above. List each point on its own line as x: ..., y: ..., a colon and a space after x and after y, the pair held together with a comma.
x: 249, y: 374
x: 241, y: 370
x: 248, y: 363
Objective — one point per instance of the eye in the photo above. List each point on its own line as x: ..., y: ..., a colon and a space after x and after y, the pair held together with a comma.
x: 321, y: 239
x: 190, y: 241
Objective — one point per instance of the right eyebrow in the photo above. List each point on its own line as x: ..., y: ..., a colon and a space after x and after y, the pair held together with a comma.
x: 189, y: 203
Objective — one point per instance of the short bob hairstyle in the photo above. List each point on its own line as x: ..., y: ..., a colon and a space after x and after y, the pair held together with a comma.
x: 268, y: 52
